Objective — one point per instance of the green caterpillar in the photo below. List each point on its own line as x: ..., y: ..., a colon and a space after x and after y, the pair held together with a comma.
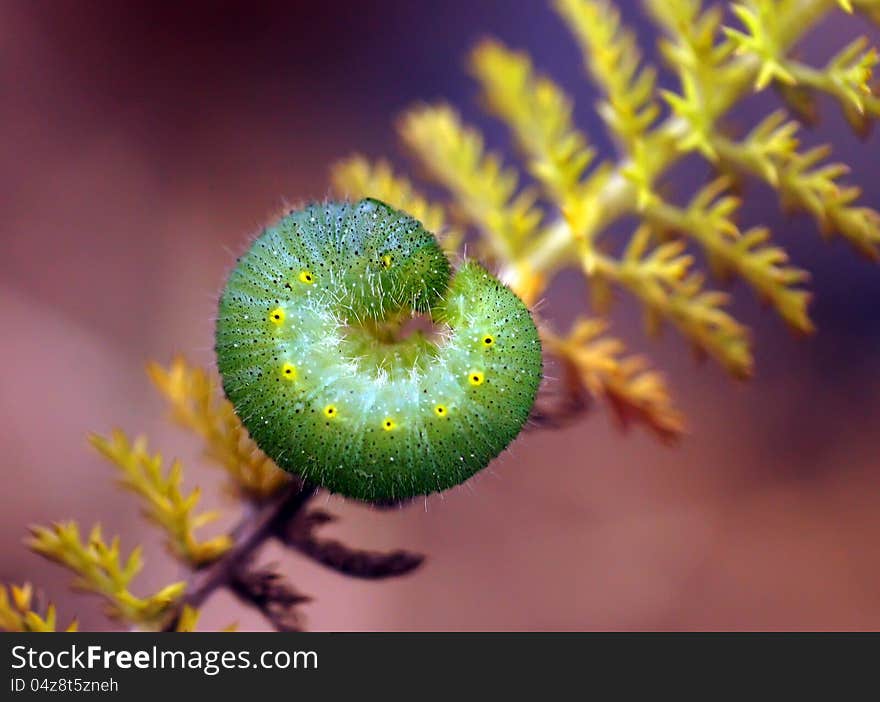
x: 312, y: 351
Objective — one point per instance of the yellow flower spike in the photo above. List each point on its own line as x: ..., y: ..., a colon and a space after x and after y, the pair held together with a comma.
x: 476, y: 377
x: 441, y: 411
x: 306, y: 277
x: 288, y: 371
x: 277, y: 316
x: 388, y: 424
x: 331, y: 412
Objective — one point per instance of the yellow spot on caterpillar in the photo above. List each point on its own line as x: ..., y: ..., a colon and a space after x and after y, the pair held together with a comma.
x: 476, y: 378
x: 387, y: 260
x: 441, y: 411
x: 276, y: 316
x: 488, y: 340
x: 288, y: 371
x: 389, y: 424
x: 306, y: 277
x: 330, y: 411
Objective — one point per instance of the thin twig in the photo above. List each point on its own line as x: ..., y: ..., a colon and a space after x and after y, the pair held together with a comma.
x: 357, y: 563
x: 249, y: 535
x: 269, y: 592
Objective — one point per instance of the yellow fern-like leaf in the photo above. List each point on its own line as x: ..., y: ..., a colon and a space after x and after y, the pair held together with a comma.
x: 187, y: 620
x: 662, y: 279
x: 635, y: 393
x: 804, y: 180
x: 612, y: 56
x: 807, y: 183
x: 708, y: 220
x: 165, y: 504
x: 629, y: 108
x: 694, y: 47
x: 485, y: 192
x: 196, y: 404
x: 99, y: 569
x: 17, y: 613
x: 539, y: 115
x: 761, y: 37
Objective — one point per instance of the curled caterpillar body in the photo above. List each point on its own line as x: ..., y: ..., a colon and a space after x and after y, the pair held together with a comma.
x: 313, y: 356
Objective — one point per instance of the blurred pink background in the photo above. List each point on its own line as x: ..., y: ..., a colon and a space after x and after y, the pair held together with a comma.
x: 142, y: 143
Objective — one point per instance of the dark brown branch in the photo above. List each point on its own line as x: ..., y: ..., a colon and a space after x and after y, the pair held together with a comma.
x: 358, y: 563
x: 559, y: 403
x: 269, y: 592
x: 249, y: 535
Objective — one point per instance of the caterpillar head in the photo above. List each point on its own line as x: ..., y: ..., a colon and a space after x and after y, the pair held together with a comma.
x: 405, y: 267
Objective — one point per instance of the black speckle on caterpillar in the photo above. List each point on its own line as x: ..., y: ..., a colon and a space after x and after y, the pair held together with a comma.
x: 311, y: 353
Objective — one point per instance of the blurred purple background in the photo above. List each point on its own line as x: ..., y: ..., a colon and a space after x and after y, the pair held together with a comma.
x: 143, y: 142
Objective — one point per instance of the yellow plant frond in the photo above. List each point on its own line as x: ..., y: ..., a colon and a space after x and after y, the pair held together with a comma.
x: 485, y: 192
x: 804, y: 180
x: 636, y: 393
x: 196, y: 404
x: 189, y: 617
x: 809, y: 183
x: 356, y: 177
x: 761, y: 37
x: 765, y: 150
x: 694, y: 49
x: 99, y: 569
x: 850, y: 73
x: 708, y: 219
x: 17, y: 612
x: 611, y: 55
x: 661, y: 278
x: 630, y: 109
x: 164, y: 502
x: 694, y: 46
x: 539, y: 113
x: 848, y: 78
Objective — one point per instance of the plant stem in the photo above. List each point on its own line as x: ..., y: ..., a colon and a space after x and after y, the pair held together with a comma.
x: 249, y: 536
x: 558, y: 246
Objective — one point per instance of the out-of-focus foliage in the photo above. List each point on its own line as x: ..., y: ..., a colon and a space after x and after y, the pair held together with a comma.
x: 566, y: 212
x: 197, y: 404
x: 100, y: 569
x: 635, y: 392
x: 17, y: 611
x: 164, y: 502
